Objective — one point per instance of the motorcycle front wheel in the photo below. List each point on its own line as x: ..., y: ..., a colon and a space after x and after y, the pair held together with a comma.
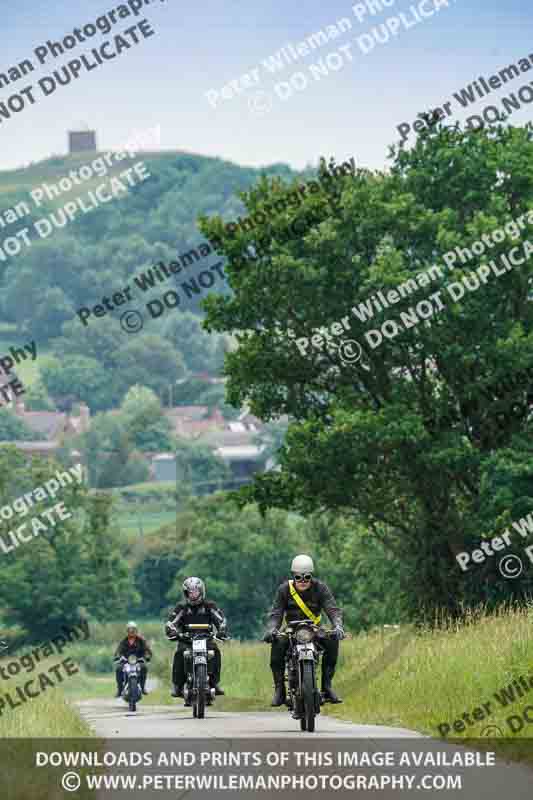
x: 308, y: 695
x: 201, y: 683
x: 133, y: 694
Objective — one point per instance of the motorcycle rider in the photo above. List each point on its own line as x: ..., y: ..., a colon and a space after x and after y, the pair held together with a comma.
x: 195, y: 610
x: 303, y: 597
x: 132, y: 645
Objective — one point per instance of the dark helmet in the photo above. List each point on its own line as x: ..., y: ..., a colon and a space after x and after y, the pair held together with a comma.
x: 193, y: 591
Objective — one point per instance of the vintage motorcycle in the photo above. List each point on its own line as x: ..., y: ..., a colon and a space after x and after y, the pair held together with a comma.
x: 131, y: 685
x: 303, y: 655
x: 197, y: 690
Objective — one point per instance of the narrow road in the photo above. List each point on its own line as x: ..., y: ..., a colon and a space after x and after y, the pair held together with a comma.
x: 223, y: 734
x: 111, y: 718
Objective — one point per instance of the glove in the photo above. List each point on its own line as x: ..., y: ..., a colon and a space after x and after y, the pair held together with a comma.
x: 270, y: 636
x: 171, y: 632
x: 338, y: 633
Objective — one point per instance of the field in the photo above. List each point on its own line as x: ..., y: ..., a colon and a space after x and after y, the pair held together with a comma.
x: 144, y: 507
x: 27, y: 370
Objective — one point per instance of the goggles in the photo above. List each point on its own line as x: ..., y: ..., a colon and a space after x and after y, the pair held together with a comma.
x: 300, y: 578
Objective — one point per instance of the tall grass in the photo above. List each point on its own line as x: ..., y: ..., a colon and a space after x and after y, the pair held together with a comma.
x: 33, y: 726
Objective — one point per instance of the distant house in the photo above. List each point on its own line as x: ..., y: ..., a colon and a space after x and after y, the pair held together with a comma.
x: 55, y: 425
x: 233, y: 442
x: 163, y: 467
x: 189, y: 422
x: 243, y: 460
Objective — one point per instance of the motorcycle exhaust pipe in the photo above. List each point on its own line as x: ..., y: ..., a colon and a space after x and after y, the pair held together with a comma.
x: 213, y: 693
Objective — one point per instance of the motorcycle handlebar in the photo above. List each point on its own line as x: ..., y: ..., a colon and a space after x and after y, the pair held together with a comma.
x: 321, y: 633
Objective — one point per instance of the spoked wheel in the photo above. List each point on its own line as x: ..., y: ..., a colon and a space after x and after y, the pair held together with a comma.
x: 201, y: 683
x: 308, y: 692
x: 133, y: 694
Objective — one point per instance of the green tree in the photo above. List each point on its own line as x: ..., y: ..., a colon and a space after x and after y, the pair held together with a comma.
x: 81, y: 378
x: 199, y: 349
x: 14, y: 429
x: 199, y: 469
x: 73, y: 568
x: 144, y: 420
x: 110, y: 455
x: 364, y: 440
x: 37, y: 398
x: 150, y: 361
x: 242, y: 557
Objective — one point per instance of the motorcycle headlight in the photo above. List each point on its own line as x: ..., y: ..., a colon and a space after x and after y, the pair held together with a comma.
x: 132, y: 659
x: 304, y: 635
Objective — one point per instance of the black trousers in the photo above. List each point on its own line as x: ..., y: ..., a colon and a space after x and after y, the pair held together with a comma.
x: 280, y: 646
x: 120, y: 676
x: 214, y: 665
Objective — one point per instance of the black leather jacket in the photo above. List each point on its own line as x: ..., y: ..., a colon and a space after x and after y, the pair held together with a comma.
x: 317, y: 598
x: 137, y: 648
x: 186, y: 614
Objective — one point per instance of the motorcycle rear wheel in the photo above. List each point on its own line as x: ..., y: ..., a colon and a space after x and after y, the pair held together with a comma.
x: 308, y: 692
x: 201, y: 683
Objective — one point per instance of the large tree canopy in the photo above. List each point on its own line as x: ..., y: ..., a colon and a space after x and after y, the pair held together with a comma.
x: 394, y: 438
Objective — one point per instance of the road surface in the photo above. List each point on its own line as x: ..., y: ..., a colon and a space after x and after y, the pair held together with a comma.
x: 111, y: 718
x: 172, y: 728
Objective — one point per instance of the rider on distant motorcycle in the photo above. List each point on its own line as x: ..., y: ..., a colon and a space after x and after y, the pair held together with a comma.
x: 195, y: 611
x: 133, y: 645
x: 303, y: 597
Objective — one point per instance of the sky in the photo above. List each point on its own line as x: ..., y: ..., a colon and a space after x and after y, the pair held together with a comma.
x: 201, y: 47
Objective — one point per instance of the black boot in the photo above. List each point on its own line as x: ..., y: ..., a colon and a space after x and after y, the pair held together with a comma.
x: 176, y: 691
x: 280, y: 696
x: 218, y: 689
x: 329, y: 694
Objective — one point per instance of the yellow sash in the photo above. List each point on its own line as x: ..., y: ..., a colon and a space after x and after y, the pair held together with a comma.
x: 299, y: 601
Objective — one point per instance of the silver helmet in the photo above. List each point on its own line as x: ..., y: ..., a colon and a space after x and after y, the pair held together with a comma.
x: 303, y: 564
x: 194, y: 591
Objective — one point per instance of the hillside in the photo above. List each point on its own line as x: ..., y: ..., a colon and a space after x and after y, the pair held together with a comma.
x: 76, y: 265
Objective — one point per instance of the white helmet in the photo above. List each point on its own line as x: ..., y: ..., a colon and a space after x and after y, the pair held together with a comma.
x: 132, y: 625
x: 303, y: 564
